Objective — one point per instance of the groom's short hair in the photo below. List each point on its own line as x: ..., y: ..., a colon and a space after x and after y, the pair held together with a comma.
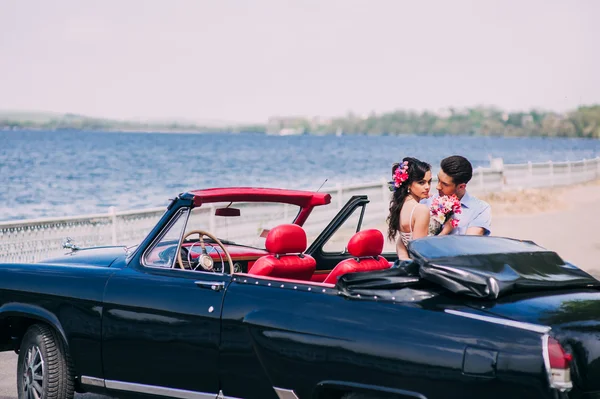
x: 458, y: 168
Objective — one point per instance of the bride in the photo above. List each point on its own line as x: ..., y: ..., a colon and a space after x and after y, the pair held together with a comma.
x: 408, y: 219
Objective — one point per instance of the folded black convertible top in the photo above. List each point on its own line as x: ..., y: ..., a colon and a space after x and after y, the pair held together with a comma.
x: 481, y: 267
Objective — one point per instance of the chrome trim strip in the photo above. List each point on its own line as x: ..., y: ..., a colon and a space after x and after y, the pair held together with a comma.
x: 213, y: 285
x: 93, y: 381
x: 546, y: 357
x: 155, y: 390
x: 510, y: 323
x: 226, y: 397
x: 285, y: 393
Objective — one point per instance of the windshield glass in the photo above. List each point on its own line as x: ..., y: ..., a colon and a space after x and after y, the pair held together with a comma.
x: 248, y: 227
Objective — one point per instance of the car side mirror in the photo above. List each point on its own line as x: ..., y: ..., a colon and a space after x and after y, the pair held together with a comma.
x: 227, y: 212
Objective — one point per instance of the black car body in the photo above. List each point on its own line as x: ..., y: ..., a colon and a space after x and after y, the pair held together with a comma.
x: 469, y: 317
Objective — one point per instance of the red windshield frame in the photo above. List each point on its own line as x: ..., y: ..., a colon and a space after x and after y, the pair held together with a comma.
x: 306, y: 200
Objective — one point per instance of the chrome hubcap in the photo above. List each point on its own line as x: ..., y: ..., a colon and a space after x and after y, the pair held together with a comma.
x: 33, y: 373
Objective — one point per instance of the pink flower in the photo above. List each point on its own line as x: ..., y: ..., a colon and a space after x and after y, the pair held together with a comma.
x: 401, y: 174
x: 442, y: 207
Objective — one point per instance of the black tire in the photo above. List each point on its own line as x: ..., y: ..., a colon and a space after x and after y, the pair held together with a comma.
x: 41, y: 348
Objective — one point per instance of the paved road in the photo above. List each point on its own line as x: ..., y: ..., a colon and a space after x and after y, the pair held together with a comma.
x: 8, y: 378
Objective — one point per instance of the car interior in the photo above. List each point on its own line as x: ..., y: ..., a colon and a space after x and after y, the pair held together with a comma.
x: 283, y: 254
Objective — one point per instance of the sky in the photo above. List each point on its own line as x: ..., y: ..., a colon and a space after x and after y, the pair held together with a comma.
x: 245, y: 61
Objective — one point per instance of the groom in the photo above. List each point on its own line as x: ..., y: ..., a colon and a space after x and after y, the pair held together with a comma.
x: 476, y: 215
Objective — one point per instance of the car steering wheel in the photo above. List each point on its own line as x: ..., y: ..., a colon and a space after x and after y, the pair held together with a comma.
x: 205, y: 260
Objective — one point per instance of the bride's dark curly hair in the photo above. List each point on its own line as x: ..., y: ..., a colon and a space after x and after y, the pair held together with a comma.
x: 416, y: 171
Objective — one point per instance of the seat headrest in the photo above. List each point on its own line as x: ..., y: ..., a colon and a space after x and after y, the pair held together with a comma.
x: 366, y: 243
x: 286, y: 239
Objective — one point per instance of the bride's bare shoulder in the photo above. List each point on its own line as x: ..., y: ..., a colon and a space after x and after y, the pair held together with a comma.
x: 421, y: 210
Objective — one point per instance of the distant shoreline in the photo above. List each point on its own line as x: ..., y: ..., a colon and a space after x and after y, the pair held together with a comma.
x: 20, y: 121
x: 225, y: 131
x: 584, y: 122
x: 129, y: 130
x: 140, y: 131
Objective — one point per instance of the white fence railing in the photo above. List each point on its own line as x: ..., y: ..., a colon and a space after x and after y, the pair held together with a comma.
x: 33, y: 240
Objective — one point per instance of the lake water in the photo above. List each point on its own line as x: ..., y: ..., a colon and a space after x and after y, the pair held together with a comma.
x: 45, y: 174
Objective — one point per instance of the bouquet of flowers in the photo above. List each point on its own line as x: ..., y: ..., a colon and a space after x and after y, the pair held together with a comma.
x: 441, y: 209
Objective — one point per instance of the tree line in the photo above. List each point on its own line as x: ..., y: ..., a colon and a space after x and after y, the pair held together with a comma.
x: 481, y: 121
x: 582, y: 122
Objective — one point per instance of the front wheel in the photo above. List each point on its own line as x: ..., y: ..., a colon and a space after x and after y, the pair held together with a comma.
x: 44, y: 369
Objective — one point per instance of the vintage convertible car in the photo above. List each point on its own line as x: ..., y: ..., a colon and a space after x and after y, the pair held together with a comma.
x: 188, y: 313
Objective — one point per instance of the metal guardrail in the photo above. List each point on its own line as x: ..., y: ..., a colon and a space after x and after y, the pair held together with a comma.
x: 37, y: 239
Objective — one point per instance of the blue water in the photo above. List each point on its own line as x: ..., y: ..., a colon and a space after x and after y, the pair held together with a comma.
x: 44, y: 174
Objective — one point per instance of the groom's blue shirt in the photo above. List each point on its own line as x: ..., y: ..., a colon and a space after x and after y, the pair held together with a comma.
x: 474, y: 213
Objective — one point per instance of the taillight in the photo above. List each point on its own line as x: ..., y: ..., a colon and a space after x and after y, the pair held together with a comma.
x: 558, y: 364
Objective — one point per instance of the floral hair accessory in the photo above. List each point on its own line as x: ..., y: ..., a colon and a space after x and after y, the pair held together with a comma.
x: 401, y: 174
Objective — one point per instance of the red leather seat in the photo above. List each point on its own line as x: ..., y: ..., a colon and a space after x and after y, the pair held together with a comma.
x: 286, y: 243
x: 365, y: 247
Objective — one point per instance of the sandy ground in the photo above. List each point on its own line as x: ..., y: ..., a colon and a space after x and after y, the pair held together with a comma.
x: 563, y: 219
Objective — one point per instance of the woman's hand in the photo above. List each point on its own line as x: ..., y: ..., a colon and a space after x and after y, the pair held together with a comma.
x: 447, y: 229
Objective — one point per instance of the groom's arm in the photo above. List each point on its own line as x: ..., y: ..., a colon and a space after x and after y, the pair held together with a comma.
x: 480, y: 226
x: 475, y: 231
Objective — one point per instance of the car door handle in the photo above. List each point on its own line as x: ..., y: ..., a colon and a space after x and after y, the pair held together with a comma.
x: 213, y: 285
